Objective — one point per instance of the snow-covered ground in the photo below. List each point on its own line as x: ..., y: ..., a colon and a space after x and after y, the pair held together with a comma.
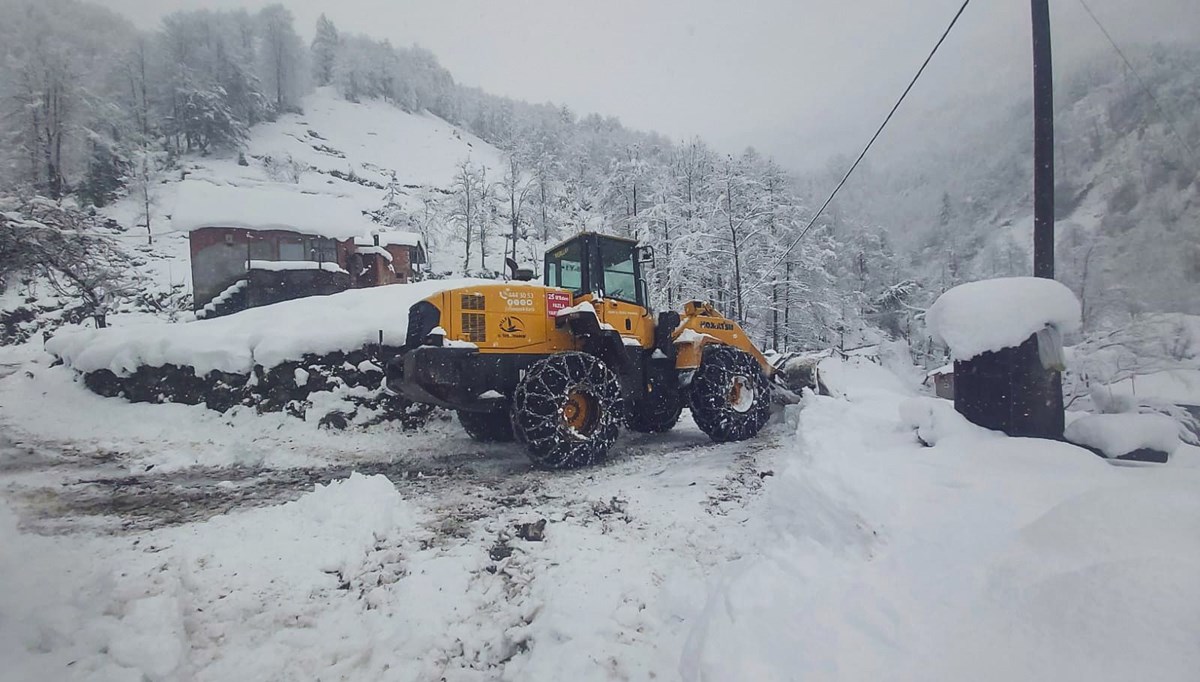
x: 167, y: 542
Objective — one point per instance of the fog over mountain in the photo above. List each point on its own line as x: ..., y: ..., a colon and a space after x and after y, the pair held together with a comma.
x: 800, y: 81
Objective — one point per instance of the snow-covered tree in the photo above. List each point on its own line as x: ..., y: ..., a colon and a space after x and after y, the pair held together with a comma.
x: 324, y: 51
x: 282, y: 55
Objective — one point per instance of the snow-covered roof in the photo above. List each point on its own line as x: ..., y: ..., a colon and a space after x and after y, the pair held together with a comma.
x: 201, y: 204
x: 376, y: 250
x: 994, y: 314
x: 285, y: 265
x: 391, y: 238
x: 1117, y: 435
x: 944, y: 369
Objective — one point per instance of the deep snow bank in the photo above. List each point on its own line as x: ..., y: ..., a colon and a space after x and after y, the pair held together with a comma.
x: 236, y: 597
x: 983, y: 558
x: 265, y: 336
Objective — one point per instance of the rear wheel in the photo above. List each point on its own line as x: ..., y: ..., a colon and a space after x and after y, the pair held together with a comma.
x: 655, y: 414
x: 731, y: 397
x: 487, y: 427
x: 567, y: 410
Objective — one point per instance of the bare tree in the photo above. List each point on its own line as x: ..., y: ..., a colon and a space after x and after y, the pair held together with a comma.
x: 516, y: 188
x: 464, y: 209
x: 63, y: 246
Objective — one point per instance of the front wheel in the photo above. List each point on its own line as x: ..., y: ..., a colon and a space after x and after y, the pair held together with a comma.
x: 731, y: 397
x: 567, y: 410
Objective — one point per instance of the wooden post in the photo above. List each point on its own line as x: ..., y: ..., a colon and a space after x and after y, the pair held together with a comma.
x: 1043, y: 143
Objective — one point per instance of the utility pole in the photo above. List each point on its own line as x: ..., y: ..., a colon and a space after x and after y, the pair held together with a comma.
x: 1043, y: 142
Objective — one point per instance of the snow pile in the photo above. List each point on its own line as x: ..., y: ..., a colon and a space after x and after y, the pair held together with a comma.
x: 994, y: 314
x: 264, y: 336
x: 934, y: 420
x: 172, y: 436
x: 581, y: 307
x: 983, y: 558
x: 1117, y: 435
x: 200, y: 204
x: 236, y: 596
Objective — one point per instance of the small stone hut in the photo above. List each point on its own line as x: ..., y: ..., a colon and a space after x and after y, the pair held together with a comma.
x: 1005, y: 336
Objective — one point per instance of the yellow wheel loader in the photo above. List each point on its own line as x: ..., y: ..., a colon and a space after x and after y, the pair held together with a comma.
x: 561, y: 366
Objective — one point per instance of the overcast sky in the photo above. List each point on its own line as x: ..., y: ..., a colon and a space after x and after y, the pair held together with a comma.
x: 799, y: 80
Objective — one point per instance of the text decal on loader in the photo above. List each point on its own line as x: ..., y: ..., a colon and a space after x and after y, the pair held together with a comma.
x: 556, y: 301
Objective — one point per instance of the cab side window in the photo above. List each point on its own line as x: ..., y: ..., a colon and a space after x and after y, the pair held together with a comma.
x: 616, y: 259
x: 564, y: 268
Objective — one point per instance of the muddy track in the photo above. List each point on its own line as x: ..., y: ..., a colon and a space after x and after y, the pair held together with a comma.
x: 71, y: 490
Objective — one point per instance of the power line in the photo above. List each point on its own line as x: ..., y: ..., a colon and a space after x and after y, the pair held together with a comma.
x: 1145, y: 88
x: 779, y: 261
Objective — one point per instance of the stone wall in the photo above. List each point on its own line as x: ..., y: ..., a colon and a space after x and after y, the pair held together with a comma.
x: 347, y: 386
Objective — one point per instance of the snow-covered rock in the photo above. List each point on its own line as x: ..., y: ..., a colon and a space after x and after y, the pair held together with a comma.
x: 993, y: 314
x: 1117, y: 435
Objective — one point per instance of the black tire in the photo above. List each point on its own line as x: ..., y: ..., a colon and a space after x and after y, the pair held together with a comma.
x: 487, y: 427
x: 567, y: 410
x: 720, y: 404
x: 655, y: 414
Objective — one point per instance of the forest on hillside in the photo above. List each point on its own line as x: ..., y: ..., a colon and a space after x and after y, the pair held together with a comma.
x: 94, y: 110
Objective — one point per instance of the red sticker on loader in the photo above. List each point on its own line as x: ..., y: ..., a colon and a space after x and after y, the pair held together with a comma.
x: 556, y: 301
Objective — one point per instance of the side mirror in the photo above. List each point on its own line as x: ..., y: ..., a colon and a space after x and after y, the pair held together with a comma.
x: 645, y: 254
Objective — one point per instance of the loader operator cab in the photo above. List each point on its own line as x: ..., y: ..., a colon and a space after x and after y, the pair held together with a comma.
x: 608, y: 266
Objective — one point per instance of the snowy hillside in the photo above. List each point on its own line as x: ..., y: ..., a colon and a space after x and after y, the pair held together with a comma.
x: 955, y: 194
x: 336, y: 149
x: 373, y: 139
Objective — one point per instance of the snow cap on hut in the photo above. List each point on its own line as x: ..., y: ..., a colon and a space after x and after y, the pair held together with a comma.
x: 994, y: 314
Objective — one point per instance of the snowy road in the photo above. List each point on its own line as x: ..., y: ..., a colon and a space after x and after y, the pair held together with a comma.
x: 164, y: 542
x: 449, y: 553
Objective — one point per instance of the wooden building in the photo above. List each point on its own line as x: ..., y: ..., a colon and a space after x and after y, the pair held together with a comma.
x: 256, y: 246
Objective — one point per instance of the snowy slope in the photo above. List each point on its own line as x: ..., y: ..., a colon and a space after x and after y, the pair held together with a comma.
x: 368, y: 141
x: 375, y: 138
